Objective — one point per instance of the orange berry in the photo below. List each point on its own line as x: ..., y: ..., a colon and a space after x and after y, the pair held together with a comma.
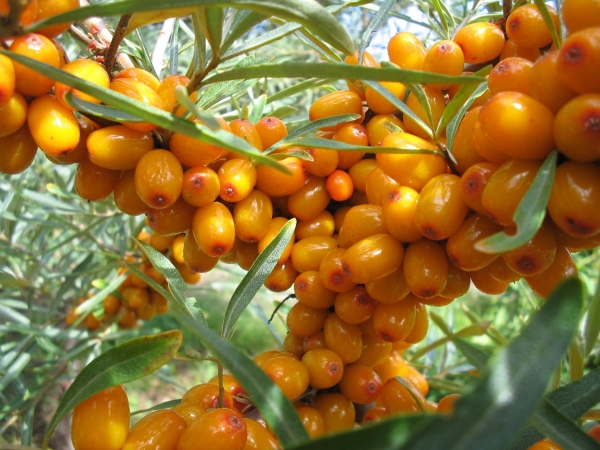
x: 159, y: 430
x: 200, y: 186
x: 398, y: 399
x: 332, y: 274
x: 259, y: 438
x: 308, y: 253
x: 7, y: 79
x: 339, y: 185
x: 13, y: 115
x: 511, y: 74
x: 189, y: 412
x: 141, y: 75
x: 48, y: 8
x: 446, y: 58
x: 324, y: 366
x: 577, y: 128
x: 219, y: 429
x: 425, y: 268
x: 526, y: 26
x: 354, y: 306
x: 473, y: 182
x: 399, y: 209
x: 270, y: 130
x: 322, y: 224
x: 337, y: 411
x: 372, y: 258
x: 237, y: 178
x: 276, y: 224
x: 421, y: 325
x: 446, y: 404
x: 480, y: 42
x: 175, y: 219
x: 95, y: 183
x: 27, y: 81
x: 580, y: 14
x: 394, y: 322
x: 281, y: 277
x: 325, y: 161
x: 207, y: 395
x: 118, y: 147
x: 312, y: 420
x: 311, y: 199
x: 335, y: 103
x: 86, y: 69
x: 457, y: 285
x: 437, y: 104
x: 389, y: 289
x: 545, y: 82
x: 485, y: 147
x: 378, y: 185
x: 290, y: 375
x: 192, y: 152
x: 126, y: 197
x: 579, y: 61
x: 407, y: 51
x: 378, y: 103
x: 536, y: 255
x: 311, y: 291
x: 360, y: 384
x: 343, y: 338
x: 159, y: 178
x: 275, y: 183
x: 18, y: 151
x: 214, y: 229
x: 460, y: 246
x: 138, y: 91
x: 304, y: 320
x: 358, y: 86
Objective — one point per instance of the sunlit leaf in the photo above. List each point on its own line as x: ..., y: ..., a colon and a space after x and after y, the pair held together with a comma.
x: 242, y: 22
x: 141, y: 19
x: 374, y: 24
x: 342, y: 146
x: 211, y: 21
x: 554, y: 32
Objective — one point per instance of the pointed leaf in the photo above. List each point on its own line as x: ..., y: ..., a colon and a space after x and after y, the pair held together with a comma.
x: 121, y: 364
x: 510, y: 391
x: 243, y: 21
x: 543, y: 8
x: 256, y: 276
x: 342, y: 146
x: 529, y: 214
x: 257, y: 108
x: 211, y: 22
x: 374, y: 24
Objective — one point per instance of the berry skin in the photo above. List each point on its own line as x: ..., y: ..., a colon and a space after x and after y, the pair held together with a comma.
x: 425, y: 268
x: 237, y: 178
x: 214, y: 229
x: 389, y: 289
x: 480, y: 42
x: 303, y: 320
x: 534, y: 256
x: 525, y: 26
x: 189, y: 412
x: 141, y: 75
x: 219, y: 429
x: 421, y: 325
x: 343, y: 338
x: 580, y: 14
x: 259, y: 438
x: 27, y: 81
x: 377, y: 186
x: 270, y: 131
x: 308, y: 253
x: 207, y: 396
x: 275, y: 183
x: 372, y: 258
x: 322, y: 225
x: 484, y: 281
x: 126, y: 197
x: 333, y: 104
x: 47, y: 9
x: 353, y: 134
x: 354, y: 306
x: 437, y: 104
x: 7, y: 79
x: 512, y: 49
x: 310, y: 200
x: 18, y: 151
x: 159, y: 430
x: 95, y: 183
x: 159, y: 178
x: 579, y: 61
x: 175, y: 219
x: 312, y: 420
x: 85, y: 69
x: 367, y: 61
x: 573, y: 203
x: 377, y: 130
x: 252, y: 216
x: 325, y: 367
x: 118, y: 147
x: 399, y: 210
x: 446, y: 404
x: 407, y: 51
x: 276, y: 224
x: 473, y: 182
x: 339, y: 185
x: 378, y: 103
x: 394, y: 322
x: 333, y: 275
x: 362, y: 221
x: 200, y: 186
x: 562, y: 267
x: 577, y: 128
x: 138, y: 91
x: 192, y: 152
x: 511, y: 74
x: 546, y: 85
x: 13, y: 114
x: 281, y: 277
x: 397, y: 398
x: 446, y: 58
x: 290, y: 375
x: 337, y: 411
x: 311, y: 291
x: 360, y: 384
x: 102, y: 421
x: 485, y: 147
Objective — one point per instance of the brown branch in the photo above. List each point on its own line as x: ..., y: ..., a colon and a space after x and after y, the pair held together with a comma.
x: 111, y: 53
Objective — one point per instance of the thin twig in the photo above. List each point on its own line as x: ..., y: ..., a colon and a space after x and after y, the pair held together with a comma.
x: 279, y: 306
x: 111, y: 53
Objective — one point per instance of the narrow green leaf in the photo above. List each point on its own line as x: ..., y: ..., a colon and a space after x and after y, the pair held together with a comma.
x: 211, y: 22
x: 174, y: 49
x: 182, y: 97
x: 308, y: 13
x: 419, y: 92
x: 374, y: 24
x: 9, y: 280
x: 274, y: 407
x: 89, y: 305
x: 477, y: 329
x: 342, y: 146
x: 543, y: 8
x: 475, y: 356
x: 400, y: 105
x: 339, y: 71
x: 121, y: 364
x: 243, y: 21
x: 452, y: 126
x: 256, y: 276
x: 297, y: 88
x: 510, y: 391
x: 161, y: 118
x: 529, y: 214
x: 15, y: 369
x: 164, y: 405
x: 592, y: 323
x: 258, y: 107
x: 178, y: 287
x: 105, y: 112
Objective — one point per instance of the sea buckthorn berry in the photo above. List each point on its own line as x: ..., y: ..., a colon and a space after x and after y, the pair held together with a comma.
x: 252, y: 216
x: 437, y: 104
x: 412, y: 170
x: 111, y: 305
x: 485, y: 147
x: 175, y: 219
x: 360, y: 384
x: 511, y: 74
x: 520, y: 124
x: 293, y: 344
x: 193, y: 152
x: 200, y: 186
x: 573, y: 243
x: 545, y: 444
x: 246, y: 254
x: 18, y: 151
x: 312, y: 420
x: 275, y: 183
x: 339, y: 185
x: 484, y: 281
x: 392, y: 366
x: 425, y: 268
x: 290, y: 375
x: 159, y: 178
x: 354, y: 306
x: 27, y: 81
x: 577, y: 128
x: 261, y: 358
x: 375, y: 350
x: 322, y: 224
x: 161, y: 243
x: 247, y: 131
x: 339, y: 216
x: 460, y: 246
x: 545, y: 82
x: 407, y: 51
x: 473, y: 182
x: 118, y: 147
x: 372, y: 258
x: 177, y: 248
x: 54, y: 127
x: 526, y: 26
x: 333, y: 104
x: 237, y: 178
x: 324, y: 366
x: 230, y: 256
x: 397, y: 398
x: 95, y: 183
x: 101, y: 421
x: 7, y: 79
x: 219, y: 429
x: 399, y: 208
x: 478, y: 101
x: 343, y: 338
x: 536, y: 255
x: 13, y: 114
x: 158, y: 430
x: 138, y: 91
x: 207, y: 395
x: 333, y: 275
x: 270, y: 130
x: 457, y: 285
x: 308, y: 253
x: 377, y: 186
x: 394, y: 322
x: 378, y: 103
x: 189, y: 412
x: 214, y: 229
x: 375, y: 415
x: 88, y: 70
x: 126, y: 197
x: 233, y: 386
x: 421, y: 325
x: 579, y: 61
x: 440, y: 207
x: 463, y: 149
x: 573, y: 203
x: 379, y: 127
x: 446, y: 58
x: 324, y: 162
x: 480, y: 42
x: 580, y: 14
x: 389, y: 289
x: 353, y: 134
x: 80, y: 153
x: 281, y: 277
x: 358, y: 86
x: 135, y: 297
x: 512, y: 49
x: 337, y: 410
x: 499, y: 271
x: 363, y: 221
x: 310, y: 200
x: 259, y: 438
x: 304, y: 320
x: 141, y: 75
x: 446, y: 404
x: 166, y: 90
x: 506, y: 187
x: 311, y: 291
x: 314, y: 341
x: 273, y: 228
x: 46, y: 8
